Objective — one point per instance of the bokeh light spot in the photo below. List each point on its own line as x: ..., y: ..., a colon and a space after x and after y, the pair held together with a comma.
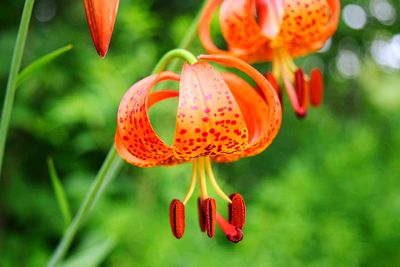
x: 348, y: 63
x: 383, y: 11
x: 354, y: 16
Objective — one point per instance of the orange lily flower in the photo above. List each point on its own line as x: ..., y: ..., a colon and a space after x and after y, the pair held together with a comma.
x: 220, y: 118
x: 277, y: 31
x: 101, y: 15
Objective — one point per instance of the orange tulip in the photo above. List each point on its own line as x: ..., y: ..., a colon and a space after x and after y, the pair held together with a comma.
x: 220, y: 118
x: 101, y: 15
x: 277, y: 31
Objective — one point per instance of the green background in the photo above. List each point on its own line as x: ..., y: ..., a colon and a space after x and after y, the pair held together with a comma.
x: 325, y: 193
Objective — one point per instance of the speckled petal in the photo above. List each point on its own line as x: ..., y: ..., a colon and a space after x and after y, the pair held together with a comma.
x: 252, y: 106
x: 273, y: 115
x: 209, y: 121
x: 303, y: 26
x: 135, y: 139
x: 239, y: 26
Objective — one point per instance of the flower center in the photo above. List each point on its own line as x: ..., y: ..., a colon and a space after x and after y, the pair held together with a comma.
x: 208, y: 215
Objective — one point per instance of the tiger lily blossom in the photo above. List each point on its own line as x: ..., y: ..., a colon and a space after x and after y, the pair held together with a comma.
x: 101, y: 16
x: 277, y: 31
x: 220, y: 118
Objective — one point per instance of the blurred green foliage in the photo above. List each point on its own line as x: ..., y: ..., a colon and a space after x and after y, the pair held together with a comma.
x: 326, y: 193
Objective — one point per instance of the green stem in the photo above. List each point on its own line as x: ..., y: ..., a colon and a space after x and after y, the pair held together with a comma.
x: 13, y: 76
x: 110, y: 167
x: 172, y: 54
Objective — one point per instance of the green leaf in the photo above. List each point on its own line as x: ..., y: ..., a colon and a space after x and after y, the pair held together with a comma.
x: 92, y: 255
x: 59, y: 192
x: 40, y: 63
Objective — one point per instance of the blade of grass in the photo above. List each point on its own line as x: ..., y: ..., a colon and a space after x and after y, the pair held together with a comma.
x: 111, y: 165
x: 93, y: 255
x: 41, y: 62
x: 59, y: 192
x: 13, y: 76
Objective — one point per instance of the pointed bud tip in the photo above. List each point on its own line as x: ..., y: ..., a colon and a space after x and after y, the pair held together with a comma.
x: 102, y: 55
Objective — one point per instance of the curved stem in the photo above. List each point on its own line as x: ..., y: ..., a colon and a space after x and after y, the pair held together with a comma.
x: 13, y: 76
x: 179, y: 52
x: 109, y: 169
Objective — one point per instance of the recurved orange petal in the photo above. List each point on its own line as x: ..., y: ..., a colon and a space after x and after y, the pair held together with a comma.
x: 239, y: 26
x: 135, y: 139
x: 331, y: 27
x: 264, y: 130
x: 209, y: 121
x: 101, y: 15
x: 253, y: 108
x: 204, y: 27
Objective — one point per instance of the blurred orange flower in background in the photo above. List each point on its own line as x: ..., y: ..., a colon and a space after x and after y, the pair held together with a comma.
x: 277, y: 31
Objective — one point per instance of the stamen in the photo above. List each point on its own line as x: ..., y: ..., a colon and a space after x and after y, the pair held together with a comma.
x: 276, y: 68
x: 300, y: 111
x: 237, y: 211
x: 177, y: 218
x: 316, y: 87
x: 234, y: 234
x: 209, y: 212
x: 192, y: 183
x: 299, y: 86
x: 201, y: 215
x: 285, y: 60
x: 288, y: 60
x: 214, y: 183
x: 203, y: 186
x: 274, y: 85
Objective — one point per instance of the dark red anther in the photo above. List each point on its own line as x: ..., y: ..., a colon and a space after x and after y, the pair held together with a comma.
x: 209, y: 212
x: 316, y: 87
x: 300, y: 86
x: 237, y: 211
x: 177, y: 218
x: 201, y: 215
x: 274, y: 84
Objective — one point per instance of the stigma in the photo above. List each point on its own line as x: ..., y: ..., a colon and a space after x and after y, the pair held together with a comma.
x: 209, y: 217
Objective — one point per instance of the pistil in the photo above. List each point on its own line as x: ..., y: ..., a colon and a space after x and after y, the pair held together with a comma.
x: 233, y: 233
